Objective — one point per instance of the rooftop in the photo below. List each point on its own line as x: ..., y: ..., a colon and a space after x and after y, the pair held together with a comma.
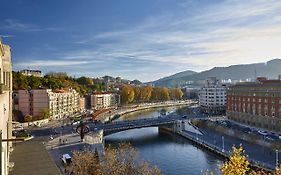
x: 31, y: 158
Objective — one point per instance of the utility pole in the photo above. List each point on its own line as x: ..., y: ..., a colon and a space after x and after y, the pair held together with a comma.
x: 222, y: 137
x: 277, y: 161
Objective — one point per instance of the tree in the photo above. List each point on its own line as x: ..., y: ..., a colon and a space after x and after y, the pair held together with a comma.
x: 145, y: 93
x: 85, y: 163
x: 178, y: 93
x: 237, y: 164
x: 137, y: 91
x: 44, y: 113
x: 120, y: 160
x: 127, y: 95
x: 28, y: 118
x: 34, y: 82
x: 85, y: 81
x: 164, y: 94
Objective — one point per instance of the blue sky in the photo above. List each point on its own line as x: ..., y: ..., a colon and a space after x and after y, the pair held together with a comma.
x: 139, y: 39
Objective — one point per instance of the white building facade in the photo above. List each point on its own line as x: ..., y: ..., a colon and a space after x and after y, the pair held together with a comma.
x: 212, y: 97
x: 103, y: 100
x: 5, y: 104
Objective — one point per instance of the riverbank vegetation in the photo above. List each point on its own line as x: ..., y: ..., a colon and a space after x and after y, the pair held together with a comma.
x: 120, y: 160
x: 136, y: 94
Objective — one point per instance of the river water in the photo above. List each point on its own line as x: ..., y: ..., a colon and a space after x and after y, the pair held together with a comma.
x: 173, y: 154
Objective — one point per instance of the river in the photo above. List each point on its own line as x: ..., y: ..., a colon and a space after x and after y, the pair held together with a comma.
x: 173, y: 154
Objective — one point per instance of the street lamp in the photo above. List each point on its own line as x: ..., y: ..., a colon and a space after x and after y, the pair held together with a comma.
x: 222, y: 137
x: 277, y: 161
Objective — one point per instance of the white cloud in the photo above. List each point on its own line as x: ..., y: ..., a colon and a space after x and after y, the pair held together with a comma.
x: 17, y: 25
x: 231, y: 32
x: 48, y: 63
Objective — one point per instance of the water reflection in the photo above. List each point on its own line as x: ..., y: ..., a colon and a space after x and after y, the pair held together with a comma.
x: 172, y: 153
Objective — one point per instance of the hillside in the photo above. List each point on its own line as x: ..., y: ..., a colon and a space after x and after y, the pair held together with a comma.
x: 172, y: 80
x: 270, y: 69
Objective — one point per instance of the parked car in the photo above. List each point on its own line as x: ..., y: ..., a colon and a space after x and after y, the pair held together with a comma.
x: 262, y: 132
x: 66, y: 159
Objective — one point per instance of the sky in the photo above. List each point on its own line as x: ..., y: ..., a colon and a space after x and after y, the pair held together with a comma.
x: 139, y: 39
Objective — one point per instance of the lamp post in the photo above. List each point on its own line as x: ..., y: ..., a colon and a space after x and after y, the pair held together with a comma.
x: 222, y: 137
x: 277, y: 161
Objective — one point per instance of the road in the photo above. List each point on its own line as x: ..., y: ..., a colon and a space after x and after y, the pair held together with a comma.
x: 60, y: 129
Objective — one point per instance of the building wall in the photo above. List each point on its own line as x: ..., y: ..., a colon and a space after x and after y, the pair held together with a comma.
x: 256, y: 104
x: 35, y: 73
x: 212, y: 97
x: 59, y: 104
x: 104, y: 100
x: 24, y: 104
x: 5, y: 103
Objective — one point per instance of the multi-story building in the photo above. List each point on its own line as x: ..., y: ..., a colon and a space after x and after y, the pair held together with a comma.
x: 59, y: 103
x: 256, y: 103
x: 103, y: 100
x: 212, y: 97
x: 5, y: 104
x: 35, y: 73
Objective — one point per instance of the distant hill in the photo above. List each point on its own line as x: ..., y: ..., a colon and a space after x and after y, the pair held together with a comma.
x: 270, y: 69
x: 171, y: 81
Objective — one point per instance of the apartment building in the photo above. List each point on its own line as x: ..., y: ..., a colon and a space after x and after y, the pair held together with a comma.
x: 103, y: 100
x: 256, y: 103
x: 212, y: 97
x: 35, y: 73
x: 5, y: 104
x: 59, y: 103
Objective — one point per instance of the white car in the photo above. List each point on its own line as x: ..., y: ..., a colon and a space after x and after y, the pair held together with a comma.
x: 66, y: 159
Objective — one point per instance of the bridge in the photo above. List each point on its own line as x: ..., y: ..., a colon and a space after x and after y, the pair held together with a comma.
x: 118, y: 126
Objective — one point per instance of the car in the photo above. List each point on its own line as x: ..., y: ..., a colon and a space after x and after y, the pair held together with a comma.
x: 262, y: 132
x: 75, y: 123
x: 184, y: 116
x: 66, y: 159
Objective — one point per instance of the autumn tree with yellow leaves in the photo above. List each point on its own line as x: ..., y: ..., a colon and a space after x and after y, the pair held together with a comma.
x: 238, y: 164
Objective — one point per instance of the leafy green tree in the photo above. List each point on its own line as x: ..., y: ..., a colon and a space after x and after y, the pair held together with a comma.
x: 85, y: 81
x: 44, y: 113
x: 34, y: 82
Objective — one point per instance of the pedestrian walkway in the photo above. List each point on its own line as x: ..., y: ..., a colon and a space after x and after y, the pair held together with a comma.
x: 31, y: 158
x: 257, y: 154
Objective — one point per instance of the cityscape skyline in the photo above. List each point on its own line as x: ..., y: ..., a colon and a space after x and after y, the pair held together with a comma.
x: 143, y: 40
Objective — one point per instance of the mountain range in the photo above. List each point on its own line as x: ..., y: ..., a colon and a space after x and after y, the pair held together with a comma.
x: 270, y: 69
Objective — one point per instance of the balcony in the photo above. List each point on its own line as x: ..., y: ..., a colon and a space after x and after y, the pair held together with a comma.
x: 3, y: 88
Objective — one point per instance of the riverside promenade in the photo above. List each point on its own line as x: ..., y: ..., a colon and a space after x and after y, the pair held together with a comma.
x: 259, y: 156
x: 138, y: 107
